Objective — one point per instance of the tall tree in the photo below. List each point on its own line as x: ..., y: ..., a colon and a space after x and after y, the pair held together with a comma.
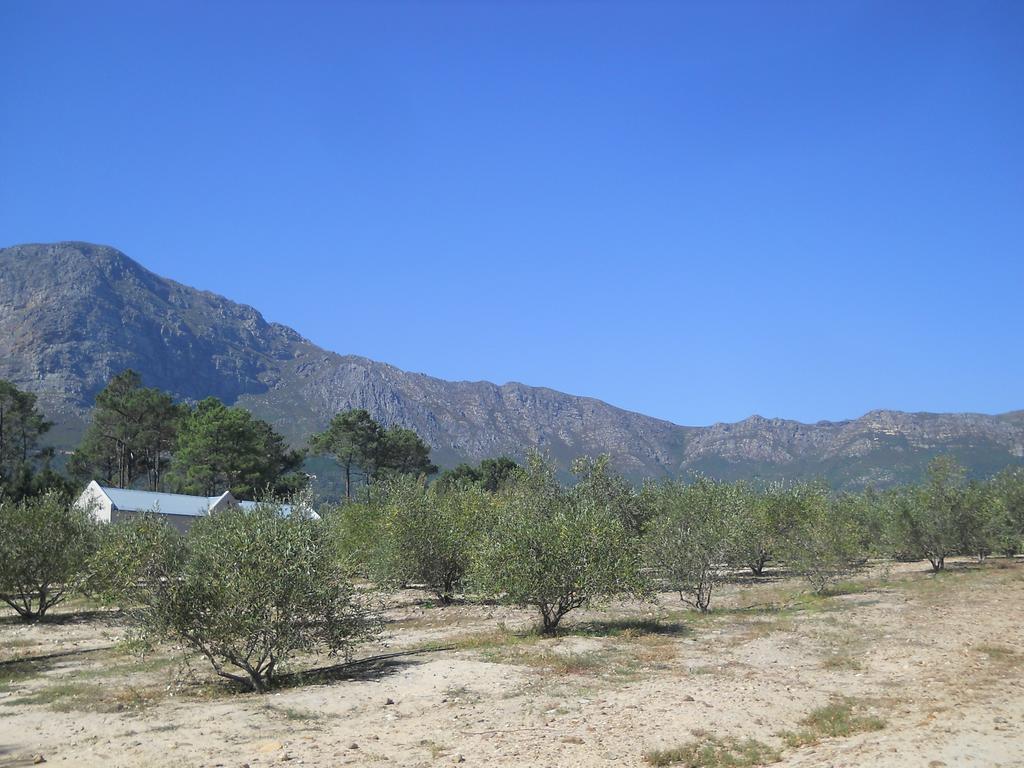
x: 131, y: 435
x: 221, y: 448
x: 353, y: 438
x: 491, y: 474
x: 403, y: 452
x: 21, y: 427
x: 364, y: 449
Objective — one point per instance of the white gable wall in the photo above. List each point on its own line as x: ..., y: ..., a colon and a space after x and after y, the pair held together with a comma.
x: 96, y: 501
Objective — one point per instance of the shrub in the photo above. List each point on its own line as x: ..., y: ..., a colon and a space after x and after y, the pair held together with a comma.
x: 692, y: 541
x: 758, y: 529
x: 823, y: 540
x: 602, y: 486
x: 249, y: 589
x: 553, y: 549
x: 1006, y: 494
x: 427, y: 534
x: 353, y: 530
x: 135, y: 557
x: 44, y: 545
x: 930, y: 521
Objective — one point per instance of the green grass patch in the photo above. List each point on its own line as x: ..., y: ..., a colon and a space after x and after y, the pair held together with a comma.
x: 842, y: 717
x: 707, y: 751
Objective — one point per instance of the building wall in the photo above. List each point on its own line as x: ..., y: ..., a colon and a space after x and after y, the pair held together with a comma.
x: 181, y: 523
x: 94, y: 500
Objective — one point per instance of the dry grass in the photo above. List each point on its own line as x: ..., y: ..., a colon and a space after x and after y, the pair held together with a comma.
x: 87, y: 697
x: 999, y: 654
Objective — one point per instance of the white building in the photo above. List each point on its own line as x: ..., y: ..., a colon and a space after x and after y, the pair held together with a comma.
x: 111, y: 505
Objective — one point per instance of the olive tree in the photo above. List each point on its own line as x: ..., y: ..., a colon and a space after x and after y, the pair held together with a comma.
x: 824, y: 540
x: 1006, y: 494
x: 248, y: 590
x: 930, y: 520
x: 135, y: 559
x: 554, y: 549
x: 353, y: 529
x: 758, y: 527
x: 598, y: 482
x: 426, y: 535
x: 44, y: 545
x: 692, y: 542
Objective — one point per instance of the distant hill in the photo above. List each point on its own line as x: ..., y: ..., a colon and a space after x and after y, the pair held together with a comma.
x: 73, y: 314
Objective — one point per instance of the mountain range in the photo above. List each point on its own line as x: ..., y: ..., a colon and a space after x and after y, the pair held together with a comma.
x: 73, y: 314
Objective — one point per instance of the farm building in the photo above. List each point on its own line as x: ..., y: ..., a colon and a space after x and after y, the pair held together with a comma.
x: 110, y: 505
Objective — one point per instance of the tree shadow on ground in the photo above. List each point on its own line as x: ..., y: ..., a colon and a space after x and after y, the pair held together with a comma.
x: 62, y: 618
x: 626, y: 628
x: 370, y: 669
x: 33, y: 665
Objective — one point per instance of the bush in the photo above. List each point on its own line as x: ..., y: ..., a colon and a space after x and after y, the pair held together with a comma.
x: 693, y: 540
x: 248, y: 590
x: 614, y: 493
x: 1006, y: 493
x: 427, y: 535
x: 823, y: 539
x: 353, y: 530
x: 758, y: 529
x: 135, y: 558
x: 44, y: 545
x: 930, y: 521
x: 553, y: 549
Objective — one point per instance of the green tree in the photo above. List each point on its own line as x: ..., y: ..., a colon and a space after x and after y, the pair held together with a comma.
x: 427, y: 535
x: 364, y: 449
x: 494, y: 473
x: 459, y: 476
x: 692, y: 542
x: 554, y: 550
x: 134, y: 557
x: 490, y: 474
x: 44, y: 546
x: 402, y: 452
x: 22, y: 425
x: 1006, y: 494
x: 763, y: 516
x: 930, y: 520
x: 250, y: 589
x: 131, y: 434
x: 597, y: 481
x: 824, y: 540
x: 354, y: 530
x: 353, y: 439
x: 223, y: 448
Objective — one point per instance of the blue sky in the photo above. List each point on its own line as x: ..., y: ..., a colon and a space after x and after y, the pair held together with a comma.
x: 699, y: 211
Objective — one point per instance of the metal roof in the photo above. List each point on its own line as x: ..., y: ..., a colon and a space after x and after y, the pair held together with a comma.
x: 167, y: 503
x: 128, y: 500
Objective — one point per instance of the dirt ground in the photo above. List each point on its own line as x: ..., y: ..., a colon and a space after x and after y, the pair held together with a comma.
x: 930, y: 670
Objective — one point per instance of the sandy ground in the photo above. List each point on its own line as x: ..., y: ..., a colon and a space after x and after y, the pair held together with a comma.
x: 939, y: 660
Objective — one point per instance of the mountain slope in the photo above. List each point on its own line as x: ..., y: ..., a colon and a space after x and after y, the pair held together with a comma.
x: 74, y: 314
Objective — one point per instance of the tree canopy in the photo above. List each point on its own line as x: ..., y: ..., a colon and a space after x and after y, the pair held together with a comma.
x: 22, y: 425
x: 131, y: 436
x: 226, y: 448
x: 367, y: 451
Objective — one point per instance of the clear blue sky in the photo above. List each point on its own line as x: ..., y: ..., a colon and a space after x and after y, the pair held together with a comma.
x: 695, y: 210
